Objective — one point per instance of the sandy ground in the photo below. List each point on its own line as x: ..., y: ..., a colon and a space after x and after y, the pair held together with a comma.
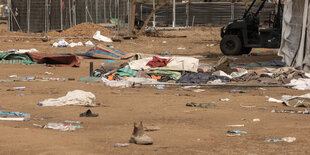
x: 184, y: 130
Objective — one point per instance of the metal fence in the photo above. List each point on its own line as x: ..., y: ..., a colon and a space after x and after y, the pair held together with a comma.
x: 200, y: 13
x: 45, y: 15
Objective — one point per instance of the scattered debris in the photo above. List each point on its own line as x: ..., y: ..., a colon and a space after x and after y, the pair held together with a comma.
x: 73, y: 122
x: 198, y: 90
x: 237, y: 125
x: 284, y: 139
x: 160, y: 87
x: 76, y: 97
x: 237, y: 131
x: 201, y: 105
x: 121, y: 144
x: 48, y: 73
x: 291, y: 111
x: 59, y: 126
x: 238, y: 91
x: 100, y: 37
x: 225, y: 99
x: 270, y: 99
x: 152, y: 128
x: 88, y: 113
x: 256, y: 120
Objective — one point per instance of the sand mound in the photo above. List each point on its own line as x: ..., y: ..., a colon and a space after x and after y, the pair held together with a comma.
x: 82, y: 30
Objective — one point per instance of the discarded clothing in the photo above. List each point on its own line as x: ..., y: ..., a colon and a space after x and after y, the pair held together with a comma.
x: 163, y: 71
x: 200, y: 78
x: 5, y: 58
x: 103, y: 52
x: 223, y: 65
x: 201, y: 105
x: 291, y: 111
x: 126, y: 71
x: 4, y: 113
x: 300, y: 84
x: 76, y: 97
x: 53, y: 59
x: 184, y: 63
x: 157, y: 62
x: 297, y: 101
x: 254, y: 65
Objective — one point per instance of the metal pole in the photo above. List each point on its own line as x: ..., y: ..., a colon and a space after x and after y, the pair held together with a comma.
x: 110, y: 9
x: 15, y: 20
x: 104, y: 11
x: 91, y: 69
x: 46, y: 23
x: 141, y: 14
x: 28, y: 15
x: 96, y: 8
x: 85, y: 10
x: 10, y: 15
x: 61, y: 16
x: 129, y: 18
x: 70, y: 17
x: 187, y: 14
x: 74, y: 12
x: 154, y: 16
x: 118, y: 20
x: 232, y: 9
x: 173, y: 16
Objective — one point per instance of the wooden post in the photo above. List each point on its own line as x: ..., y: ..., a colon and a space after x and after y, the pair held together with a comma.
x: 74, y: 12
x: 61, y: 17
x: 110, y: 9
x: 28, y: 15
x: 150, y: 16
x: 133, y: 15
x: 96, y: 8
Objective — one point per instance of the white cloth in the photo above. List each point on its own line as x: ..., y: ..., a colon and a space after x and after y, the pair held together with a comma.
x: 73, y: 44
x: 89, y: 43
x: 221, y: 73
x: 300, y: 84
x: 295, y: 47
x: 100, y: 37
x: 180, y: 63
x: 184, y: 63
x: 76, y: 97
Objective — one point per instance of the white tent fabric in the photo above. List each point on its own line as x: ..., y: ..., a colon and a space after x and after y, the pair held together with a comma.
x: 295, y: 36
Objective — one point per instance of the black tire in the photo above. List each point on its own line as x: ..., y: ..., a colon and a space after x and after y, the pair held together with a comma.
x: 231, y: 45
x: 246, y: 50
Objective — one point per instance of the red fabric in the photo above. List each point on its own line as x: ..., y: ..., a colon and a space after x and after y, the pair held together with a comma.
x: 53, y: 59
x: 157, y: 62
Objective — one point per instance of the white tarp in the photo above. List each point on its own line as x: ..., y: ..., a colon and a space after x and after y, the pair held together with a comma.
x: 295, y: 36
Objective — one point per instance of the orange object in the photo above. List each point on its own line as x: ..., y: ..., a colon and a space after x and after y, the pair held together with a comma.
x: 156, y: 77
x: 110, y: 78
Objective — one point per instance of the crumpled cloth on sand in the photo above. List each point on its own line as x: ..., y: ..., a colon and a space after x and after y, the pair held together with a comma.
x: 76, y: 97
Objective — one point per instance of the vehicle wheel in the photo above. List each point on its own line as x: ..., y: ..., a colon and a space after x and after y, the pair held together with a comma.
x: 231, y: 45
x: 246, y: 50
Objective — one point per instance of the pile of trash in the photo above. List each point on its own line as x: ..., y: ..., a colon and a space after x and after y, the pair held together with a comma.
x: 152, y: 69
